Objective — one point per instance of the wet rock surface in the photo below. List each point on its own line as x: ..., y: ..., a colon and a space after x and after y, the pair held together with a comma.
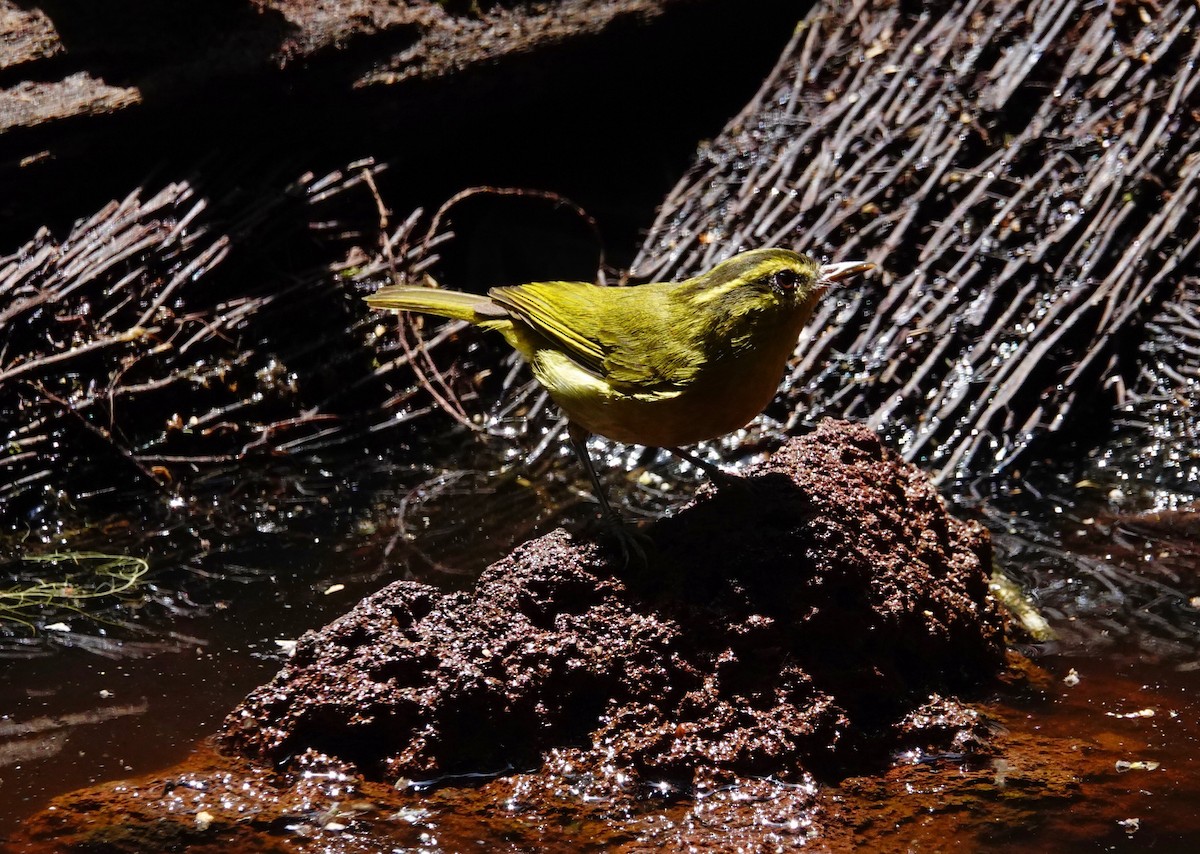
x: 785, y: 624
x: 794, y: 628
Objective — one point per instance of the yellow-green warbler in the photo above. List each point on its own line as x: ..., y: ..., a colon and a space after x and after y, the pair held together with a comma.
x: 663, y: 364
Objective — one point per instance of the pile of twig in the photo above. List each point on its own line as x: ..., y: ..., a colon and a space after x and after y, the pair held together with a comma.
x: 82, y: 317
x: 1159, y: 444
x: 1025, y: 174
x: 128, y: 356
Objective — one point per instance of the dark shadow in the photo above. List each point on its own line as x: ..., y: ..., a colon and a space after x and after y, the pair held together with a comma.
x: 610, y: 121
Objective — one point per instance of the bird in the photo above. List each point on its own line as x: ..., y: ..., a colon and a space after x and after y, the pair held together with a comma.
x: 663, y: 364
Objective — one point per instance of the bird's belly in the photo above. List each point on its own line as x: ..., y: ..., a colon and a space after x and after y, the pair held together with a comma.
x: 723, y: 400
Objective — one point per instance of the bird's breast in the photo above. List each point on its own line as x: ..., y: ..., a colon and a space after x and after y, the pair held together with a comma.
x: 723, y: 395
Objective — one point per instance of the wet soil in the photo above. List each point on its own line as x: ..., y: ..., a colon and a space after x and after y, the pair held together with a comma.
x: 782, y: 624
x: 1095, y: 746
x: 803, y: 624
x: 1090, y: 763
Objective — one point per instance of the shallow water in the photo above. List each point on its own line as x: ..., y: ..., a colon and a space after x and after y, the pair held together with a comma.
x: 134, y: 689
x: 235, y: 574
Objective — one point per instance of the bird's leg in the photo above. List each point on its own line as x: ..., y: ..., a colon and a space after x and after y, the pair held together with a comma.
x: 627, y: 539
x: 579, y: 438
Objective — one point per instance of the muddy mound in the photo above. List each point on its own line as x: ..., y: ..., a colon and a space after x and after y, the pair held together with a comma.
x: 786, y: 622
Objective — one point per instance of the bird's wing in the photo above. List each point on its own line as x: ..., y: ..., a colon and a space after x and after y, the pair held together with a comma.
x: 630, y: 370
x: 565, y: 313
x: 609, y: 332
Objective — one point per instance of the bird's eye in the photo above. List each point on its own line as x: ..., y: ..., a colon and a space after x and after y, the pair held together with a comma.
x: 785, y: 281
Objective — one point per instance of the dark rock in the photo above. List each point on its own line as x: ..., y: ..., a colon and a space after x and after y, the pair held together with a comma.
x: 785, y: 624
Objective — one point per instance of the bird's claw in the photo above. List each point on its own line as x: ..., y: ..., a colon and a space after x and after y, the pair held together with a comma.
x: 631, y: 542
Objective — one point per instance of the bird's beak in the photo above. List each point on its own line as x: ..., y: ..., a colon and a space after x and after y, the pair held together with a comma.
x: 832, y: 274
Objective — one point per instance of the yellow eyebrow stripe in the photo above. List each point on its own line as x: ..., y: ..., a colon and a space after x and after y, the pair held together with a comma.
x: 714, y: 293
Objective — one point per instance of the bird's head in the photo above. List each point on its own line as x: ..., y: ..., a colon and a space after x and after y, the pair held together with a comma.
x: 767, y: 281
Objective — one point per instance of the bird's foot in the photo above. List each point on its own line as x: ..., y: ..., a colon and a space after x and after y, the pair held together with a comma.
x: 631, y: 542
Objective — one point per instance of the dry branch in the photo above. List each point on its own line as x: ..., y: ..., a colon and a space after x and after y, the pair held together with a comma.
x: 168, y: 54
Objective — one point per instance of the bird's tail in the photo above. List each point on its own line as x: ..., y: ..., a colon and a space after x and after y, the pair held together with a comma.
x: 473, y: 308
